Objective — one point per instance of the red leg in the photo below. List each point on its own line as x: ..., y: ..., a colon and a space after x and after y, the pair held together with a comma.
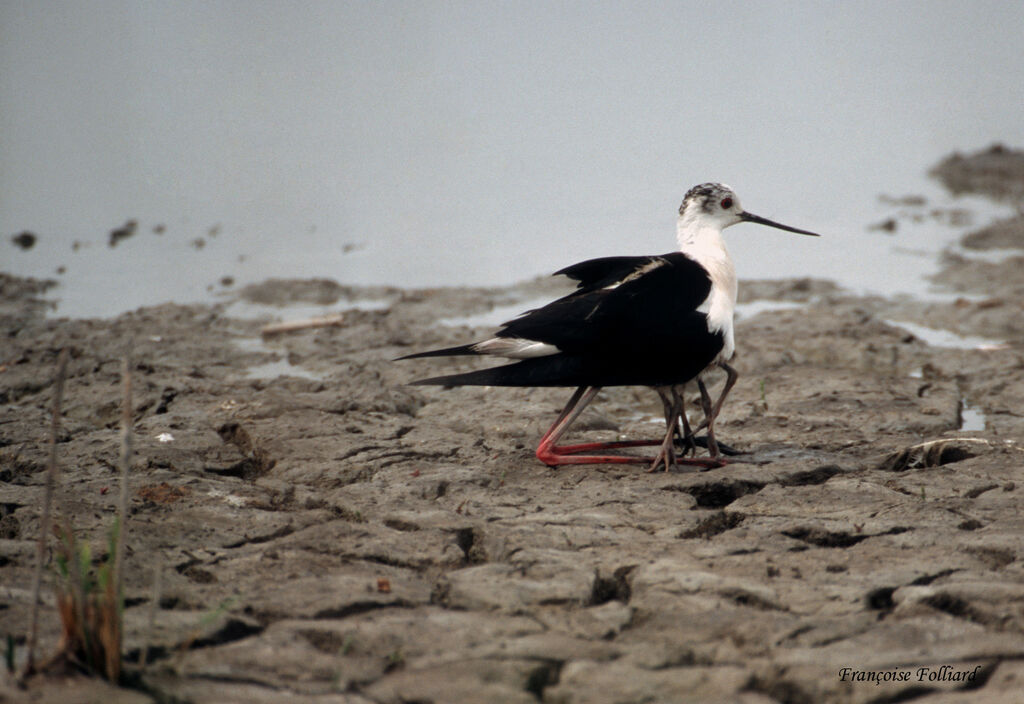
x: 554, y: 455
x: 573, y: 407
x: 569, y: 406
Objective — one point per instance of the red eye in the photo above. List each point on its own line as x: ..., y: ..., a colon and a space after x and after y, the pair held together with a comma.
x: 726, y: 203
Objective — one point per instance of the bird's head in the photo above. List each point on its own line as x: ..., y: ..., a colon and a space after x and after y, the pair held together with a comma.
x: 710, y: 205
x: 715, y: 206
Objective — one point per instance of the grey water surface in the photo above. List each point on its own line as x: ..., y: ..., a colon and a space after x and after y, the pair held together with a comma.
x: 448, y: 143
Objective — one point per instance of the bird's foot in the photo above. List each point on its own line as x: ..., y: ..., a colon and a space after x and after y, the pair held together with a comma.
x: 666, y: 457
x: 724, y: 449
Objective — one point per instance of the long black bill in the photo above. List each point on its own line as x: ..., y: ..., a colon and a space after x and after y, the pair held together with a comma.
x: 750, y: 217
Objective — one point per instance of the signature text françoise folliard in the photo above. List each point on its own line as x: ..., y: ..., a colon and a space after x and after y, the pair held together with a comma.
x: 946, y: 673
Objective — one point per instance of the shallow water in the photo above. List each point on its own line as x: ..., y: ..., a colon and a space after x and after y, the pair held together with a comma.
x: 972, y: 419
x: 947, y: 338
x: 480, y: 144
x: 749, y: 310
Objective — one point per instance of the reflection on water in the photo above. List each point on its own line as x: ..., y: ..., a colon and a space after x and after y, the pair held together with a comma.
x: 480, y: 143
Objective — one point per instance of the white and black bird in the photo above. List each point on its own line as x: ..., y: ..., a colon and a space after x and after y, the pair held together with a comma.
x: 657, y: 321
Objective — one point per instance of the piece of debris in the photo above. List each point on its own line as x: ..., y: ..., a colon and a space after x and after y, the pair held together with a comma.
x: 888, y: 225
x: 934, y: 453
x: 123, y: 232
x: 25, y: 239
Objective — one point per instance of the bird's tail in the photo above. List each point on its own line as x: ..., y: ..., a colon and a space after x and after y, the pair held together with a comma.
x: 540, y: 371
x: 446, y: 352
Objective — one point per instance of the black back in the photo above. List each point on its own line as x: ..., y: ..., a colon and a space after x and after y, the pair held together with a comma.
x: 631, y: 321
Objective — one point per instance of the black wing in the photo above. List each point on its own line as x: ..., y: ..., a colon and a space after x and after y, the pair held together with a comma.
x: 632, y: 321
x: 604, y: 271
x: 620, y: 300
x: 591, y: 275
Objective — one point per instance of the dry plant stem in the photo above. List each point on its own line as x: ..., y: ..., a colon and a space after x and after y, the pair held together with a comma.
x: 154, y: 604
x: 75, y: 625
x: 89, y: 595
x: 113, y: 634
x: 126, y: 459
x: 44, y: 520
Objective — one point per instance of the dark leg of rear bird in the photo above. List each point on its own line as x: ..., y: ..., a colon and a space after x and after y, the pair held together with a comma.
x: 671, y: 426
x: 730, y: 381
x: 668, y: 402
x: 711, y: 411
x: 672, y: 402
x: 677, y: 420
x: 705, y: 402
x: 686, y: 438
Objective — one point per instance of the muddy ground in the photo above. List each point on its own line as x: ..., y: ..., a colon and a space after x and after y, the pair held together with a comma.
x: 324, y: 533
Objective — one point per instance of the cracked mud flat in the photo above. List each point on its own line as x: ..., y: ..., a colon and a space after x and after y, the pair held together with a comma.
x: 330, y: 535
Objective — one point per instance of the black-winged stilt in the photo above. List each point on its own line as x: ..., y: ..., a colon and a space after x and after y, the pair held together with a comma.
x: 657, y: 321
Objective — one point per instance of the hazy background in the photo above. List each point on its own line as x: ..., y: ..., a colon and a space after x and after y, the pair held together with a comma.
x: 431, y: 143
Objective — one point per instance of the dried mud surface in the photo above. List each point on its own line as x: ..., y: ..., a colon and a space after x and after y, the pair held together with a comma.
x: 326, y: 534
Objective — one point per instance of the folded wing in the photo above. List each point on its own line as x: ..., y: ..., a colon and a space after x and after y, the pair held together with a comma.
x: 631, y: 320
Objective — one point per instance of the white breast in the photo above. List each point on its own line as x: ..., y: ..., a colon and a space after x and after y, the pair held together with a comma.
x: 707, y: 248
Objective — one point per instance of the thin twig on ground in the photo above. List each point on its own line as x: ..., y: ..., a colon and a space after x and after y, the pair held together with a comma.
x: 44, y: 520
x: 126, y: 460
x: 154, y: 606
x: 305, y: 324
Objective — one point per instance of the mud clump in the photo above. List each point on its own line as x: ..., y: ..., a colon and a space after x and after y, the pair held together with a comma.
x: 997, y: 172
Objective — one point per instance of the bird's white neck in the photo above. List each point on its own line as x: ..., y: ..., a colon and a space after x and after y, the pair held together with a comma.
x: 706, y: 246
